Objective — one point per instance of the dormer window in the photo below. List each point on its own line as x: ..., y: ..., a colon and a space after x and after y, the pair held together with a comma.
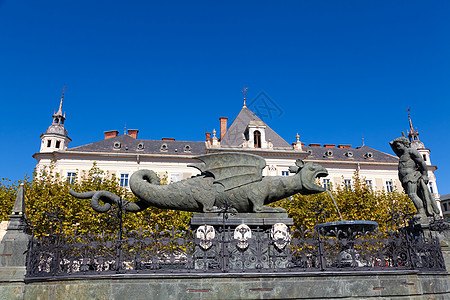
x: 368, y: 155
x: 257, y: 138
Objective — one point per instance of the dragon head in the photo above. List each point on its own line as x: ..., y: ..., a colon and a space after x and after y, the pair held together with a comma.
x: 308, y: 173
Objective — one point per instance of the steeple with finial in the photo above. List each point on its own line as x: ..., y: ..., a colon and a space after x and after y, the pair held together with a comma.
x: 59, y: 117
x: 55, y: 138
x: 413, y: 134
x: 244, y: 93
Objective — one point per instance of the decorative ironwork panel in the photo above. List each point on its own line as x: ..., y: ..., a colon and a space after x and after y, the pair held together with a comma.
x: 231, y: 249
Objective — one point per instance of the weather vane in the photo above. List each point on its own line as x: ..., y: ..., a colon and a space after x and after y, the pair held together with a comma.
x: 243, y: 93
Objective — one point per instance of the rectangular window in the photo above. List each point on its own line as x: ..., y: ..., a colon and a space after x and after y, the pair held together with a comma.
x: 49, y: 143
x: 430, y: 184
x: 124, y: 180
x: 389, y: 186
x: 71, y: 176
x: 58, y: 143
x: 369, y: 184
x: 424, y: 157
x: 326, y: 183
x: 348, y: 183
x: 284, y: 173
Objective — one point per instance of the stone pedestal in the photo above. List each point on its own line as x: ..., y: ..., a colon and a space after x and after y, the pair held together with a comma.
x: 243, y: 241
x: 263, y: 220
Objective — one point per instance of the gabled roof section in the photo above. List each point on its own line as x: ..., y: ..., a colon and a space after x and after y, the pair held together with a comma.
x: 126, y: 144
x: 233, y: 136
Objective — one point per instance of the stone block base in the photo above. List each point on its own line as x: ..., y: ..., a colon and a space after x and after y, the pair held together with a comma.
x: 361, y: 285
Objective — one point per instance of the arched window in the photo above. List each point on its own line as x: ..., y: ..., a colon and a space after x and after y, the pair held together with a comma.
x: 257, y: 139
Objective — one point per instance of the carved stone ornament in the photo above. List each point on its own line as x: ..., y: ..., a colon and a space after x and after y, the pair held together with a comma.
x: 242, y: 233
x: 280, y: 235
x: 206, y: 234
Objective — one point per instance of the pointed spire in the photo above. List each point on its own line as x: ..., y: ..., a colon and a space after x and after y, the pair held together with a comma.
x: 413, y: 134
x: 409, y: 118
x: 59, y: 117
x: 19, y: 205
x: 244, y: 93
x: 60, y: 113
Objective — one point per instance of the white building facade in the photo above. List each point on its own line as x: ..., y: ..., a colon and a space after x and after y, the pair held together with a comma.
x: 124, y: 154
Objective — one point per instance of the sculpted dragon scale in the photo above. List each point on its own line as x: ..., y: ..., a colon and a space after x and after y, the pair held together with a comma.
x: 232, y: 178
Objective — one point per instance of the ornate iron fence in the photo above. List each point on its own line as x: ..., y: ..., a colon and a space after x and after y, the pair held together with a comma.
x: 227, y: 249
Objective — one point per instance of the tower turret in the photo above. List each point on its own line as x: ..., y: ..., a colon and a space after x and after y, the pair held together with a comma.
x: 56, y: 138
x: 413, y: 135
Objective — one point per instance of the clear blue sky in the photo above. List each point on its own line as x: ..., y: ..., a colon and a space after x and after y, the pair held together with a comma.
x: 338, y: 70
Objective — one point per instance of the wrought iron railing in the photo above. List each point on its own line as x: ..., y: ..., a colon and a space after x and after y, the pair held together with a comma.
x: 146, y: 251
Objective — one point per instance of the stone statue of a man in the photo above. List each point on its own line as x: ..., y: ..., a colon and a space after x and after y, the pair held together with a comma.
x: 413, y: 174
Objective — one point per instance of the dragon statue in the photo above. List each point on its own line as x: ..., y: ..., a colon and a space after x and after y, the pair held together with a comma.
x: 226, y: 178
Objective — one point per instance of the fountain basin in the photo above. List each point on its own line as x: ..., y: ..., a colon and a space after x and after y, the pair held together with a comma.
x: 344, y: 226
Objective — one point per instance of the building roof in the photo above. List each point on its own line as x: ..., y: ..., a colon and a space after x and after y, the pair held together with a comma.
x: 445, y: 197
x: 363, y: 153
x: 127, y: 144
x: 233, y: 136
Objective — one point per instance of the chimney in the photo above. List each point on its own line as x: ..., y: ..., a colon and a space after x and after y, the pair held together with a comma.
x: 168, y: 139
x: 314, y: 145
x: 223, y: 126
x: 345, y: 146
x: 329, y: 145
x: 133, y: 133
x: 111, y: 134
x: 208, y: 136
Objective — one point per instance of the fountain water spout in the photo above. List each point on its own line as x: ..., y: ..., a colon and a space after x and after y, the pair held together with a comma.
x: 332, y: 198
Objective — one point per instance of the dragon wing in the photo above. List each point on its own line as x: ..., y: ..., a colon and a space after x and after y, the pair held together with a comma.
x: 232, y: 170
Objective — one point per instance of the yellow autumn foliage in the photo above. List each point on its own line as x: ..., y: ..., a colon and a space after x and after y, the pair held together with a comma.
x: 50, y: 190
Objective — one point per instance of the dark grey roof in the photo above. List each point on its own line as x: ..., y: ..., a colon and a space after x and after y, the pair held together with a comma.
x: 57, y: 129
x: 127, y: 144
x: 445, y: 197
x: 341, y: 154
x: 233, y: 136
